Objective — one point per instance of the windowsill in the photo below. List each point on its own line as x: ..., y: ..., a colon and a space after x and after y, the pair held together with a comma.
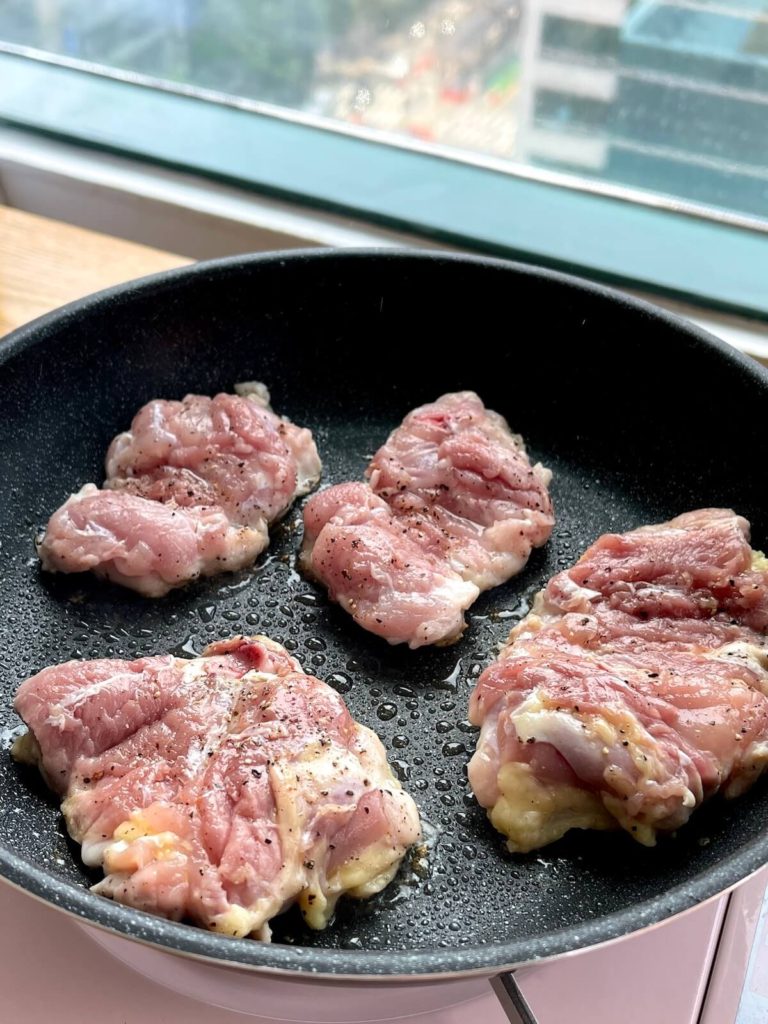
x: 479, y: 208
x: 179, y: 212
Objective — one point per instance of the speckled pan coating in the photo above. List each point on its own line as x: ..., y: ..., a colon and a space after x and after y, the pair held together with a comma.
x: 639, y: 416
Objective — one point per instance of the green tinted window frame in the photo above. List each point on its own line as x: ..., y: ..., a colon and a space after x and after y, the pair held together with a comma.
x: 695, y: 258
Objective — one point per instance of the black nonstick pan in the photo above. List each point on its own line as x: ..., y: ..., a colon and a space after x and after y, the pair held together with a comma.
x: 639, y: 415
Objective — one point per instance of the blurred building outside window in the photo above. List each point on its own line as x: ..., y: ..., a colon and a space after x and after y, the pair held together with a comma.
x: 669, y: 97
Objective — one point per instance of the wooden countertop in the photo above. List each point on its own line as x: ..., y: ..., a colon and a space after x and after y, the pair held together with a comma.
x: 45, y: 263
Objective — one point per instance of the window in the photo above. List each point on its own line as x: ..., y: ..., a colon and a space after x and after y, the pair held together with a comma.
x: 579, y: 40
x: 565, y: 111
x: 662, y: 103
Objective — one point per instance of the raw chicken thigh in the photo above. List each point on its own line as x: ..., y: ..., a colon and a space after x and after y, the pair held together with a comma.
x: 453, y: 507
x: 191, y: 490
x: 636, y: 687
x: 220, y: 789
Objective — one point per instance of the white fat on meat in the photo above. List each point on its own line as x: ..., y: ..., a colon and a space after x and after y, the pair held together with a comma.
x: 219, y: 790
x: 636, y: 688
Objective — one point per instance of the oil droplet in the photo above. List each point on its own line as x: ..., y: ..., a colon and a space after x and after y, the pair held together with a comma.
x: 420, y: 865
x: 189, y: 647
x: 207, y: 613
x: 466, y: 726
x: 311, y: 600
x: 443, y: 727
x: 451, y: 681
x: 404, y: 691
x: 517, y: 612
x: 340, y: 682
x: 252, y: 618
x: 315, y: 643
x: 9, y: 734
x: 453, y: 748
x: 386, y: 711
x: 231, y: 615
x: 401, y: 769
x: 400, y: 741
x: 233, y: 588
x: 442, y: 785
x: 469, y: 851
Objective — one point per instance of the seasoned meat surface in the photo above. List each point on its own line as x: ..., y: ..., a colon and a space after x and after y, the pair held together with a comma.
x: 378, y: 571
x: 452, y: 507
x: 219, y: 789
x: 191, y: 489
x: 229, y: 450
x: 636, y: 688
x: 149, y: 546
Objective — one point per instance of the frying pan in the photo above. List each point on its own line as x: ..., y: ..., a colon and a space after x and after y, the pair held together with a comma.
x: 639, y: 415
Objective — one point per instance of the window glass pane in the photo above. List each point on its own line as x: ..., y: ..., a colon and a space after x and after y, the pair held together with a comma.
x: 668, y: 96
x: 558, y: 109
x: 578, y: 40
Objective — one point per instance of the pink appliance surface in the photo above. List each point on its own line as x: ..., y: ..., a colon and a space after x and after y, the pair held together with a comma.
x: 709, y: 966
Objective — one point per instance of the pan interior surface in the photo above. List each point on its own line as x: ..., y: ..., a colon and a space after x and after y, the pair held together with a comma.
x: 640, y: 419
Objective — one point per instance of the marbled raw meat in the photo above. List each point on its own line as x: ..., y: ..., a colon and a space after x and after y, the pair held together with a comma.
x: 219, y: 789
x: 636, y: 688
x: 453, y: 507
x: 190, y: 491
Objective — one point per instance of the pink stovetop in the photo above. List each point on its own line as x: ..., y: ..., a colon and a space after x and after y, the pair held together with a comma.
x: 690, y: 970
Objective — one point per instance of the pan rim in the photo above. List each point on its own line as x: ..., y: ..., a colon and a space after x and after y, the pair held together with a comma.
x: 328, y: 964
x: 337, y: 964
x: 26, y: 336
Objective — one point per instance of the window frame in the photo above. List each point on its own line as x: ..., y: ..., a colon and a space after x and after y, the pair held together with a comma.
x: 617, y: 235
